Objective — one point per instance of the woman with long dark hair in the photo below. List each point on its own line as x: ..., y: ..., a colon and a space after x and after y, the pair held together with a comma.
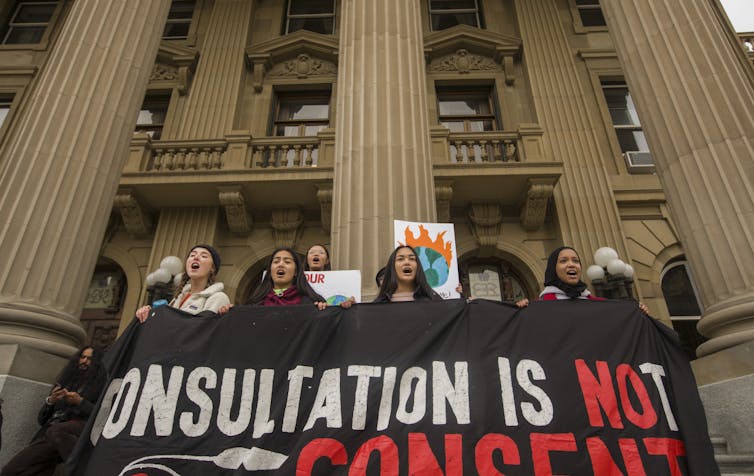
x: 404, y: 279
x: 284, y: 283
x: 197, y: 291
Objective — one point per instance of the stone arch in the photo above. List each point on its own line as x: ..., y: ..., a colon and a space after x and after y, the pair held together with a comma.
x: 528, y: 266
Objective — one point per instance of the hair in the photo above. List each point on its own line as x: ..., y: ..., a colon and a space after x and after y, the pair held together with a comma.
x: 299, y: 280
x: 390, y: 283
x: 87, y: 383
x: 328, y: 266
x: 185, y: 278
x: 379, y: 278
x: 551, y: 275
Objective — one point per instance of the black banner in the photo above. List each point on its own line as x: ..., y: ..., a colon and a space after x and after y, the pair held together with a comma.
x: 435, y: 388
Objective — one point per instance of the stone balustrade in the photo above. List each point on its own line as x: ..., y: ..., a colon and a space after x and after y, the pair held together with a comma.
x: 489, y: 147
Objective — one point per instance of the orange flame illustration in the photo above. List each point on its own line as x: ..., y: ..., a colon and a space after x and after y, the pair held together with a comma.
x: 439, y: 244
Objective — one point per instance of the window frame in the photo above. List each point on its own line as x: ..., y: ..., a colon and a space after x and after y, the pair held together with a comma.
x: 467, y: 91
x: 43, y: 42
x: 191, y: 33
x: 287, y: 18
x: 675, y: 264
x: 637, y: 127
x: 477, y: 10
x: 301, y: 123
x: 152, y: 95
x: 578, y: 24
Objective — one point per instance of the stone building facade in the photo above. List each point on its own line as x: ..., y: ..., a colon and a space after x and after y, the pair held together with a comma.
x: 133, y: 129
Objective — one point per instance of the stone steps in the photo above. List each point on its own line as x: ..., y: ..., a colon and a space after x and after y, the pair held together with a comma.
x: 731, y: 464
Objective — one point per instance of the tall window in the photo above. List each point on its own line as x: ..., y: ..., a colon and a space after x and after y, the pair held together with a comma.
x: 104, y: 304
x: 466, y: 110
x: 625, y: 120
x: 313, y: 15
x: 6, y: 100
x: 179, y: 20
x: 590, y: 13
x: 448, y: 13
x: 152, y: 114
x: 28, y: 22
x: 683, y: 305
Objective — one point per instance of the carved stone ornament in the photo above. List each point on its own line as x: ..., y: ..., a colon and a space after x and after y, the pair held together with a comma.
x: 135, y: 215
x: 302, y: 67
x: 324, y: 195
x: 486, y: 219
x: 286, y: 225
x: 463, y: 61
x: 234, y: 203
x: 163, y: 72
x: 443, y: 195
x: 535, y: 205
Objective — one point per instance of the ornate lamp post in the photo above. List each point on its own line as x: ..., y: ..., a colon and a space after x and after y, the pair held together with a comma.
x: 162, y: 281
x: 610, y: 276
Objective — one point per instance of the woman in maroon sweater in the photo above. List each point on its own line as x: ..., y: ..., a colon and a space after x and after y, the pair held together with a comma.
x: 285, y: 283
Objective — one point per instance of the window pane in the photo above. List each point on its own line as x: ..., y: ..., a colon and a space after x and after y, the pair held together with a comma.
x: 181, y: 9
x: 471, y: 106
x: 34, y: 13
x: 176, y: 30
x: 452, y: 5
x: 621, y: 105
x: 313, y: 130
x: 592, y: 17
x: 4, y: 110
x: 25, y: 35
x: 296, y: 109
x: 317, y: 25
x: 449, y: 20
x: 480, y: 126
x: 679, y: 293
x: 303, y: 7
x: 631, y: 140
x: 588, y: 2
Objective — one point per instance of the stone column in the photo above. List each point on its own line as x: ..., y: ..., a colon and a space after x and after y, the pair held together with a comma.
x: 586, y: 208
x: 695, y: 98
x: 383, y: 168
x: 213, y: 98
x: 61, y: 168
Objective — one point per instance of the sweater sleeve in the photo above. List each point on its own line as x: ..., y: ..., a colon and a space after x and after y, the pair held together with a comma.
x: 216, y: 301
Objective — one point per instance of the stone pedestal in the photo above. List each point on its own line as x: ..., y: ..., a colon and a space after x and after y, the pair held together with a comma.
x: 383, y: 168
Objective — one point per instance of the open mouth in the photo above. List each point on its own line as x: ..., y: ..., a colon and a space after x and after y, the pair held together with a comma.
x: 280, y: 272
x: 195, y: 265
x: 572, y: 273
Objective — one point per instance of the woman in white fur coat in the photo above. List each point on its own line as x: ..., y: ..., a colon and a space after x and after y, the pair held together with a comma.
x: 198, y: 290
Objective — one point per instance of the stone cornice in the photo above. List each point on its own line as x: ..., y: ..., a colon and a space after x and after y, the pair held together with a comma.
x: 174, y: 67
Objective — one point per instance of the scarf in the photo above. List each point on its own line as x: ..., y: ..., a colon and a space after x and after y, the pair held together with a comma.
x: 290, y: 297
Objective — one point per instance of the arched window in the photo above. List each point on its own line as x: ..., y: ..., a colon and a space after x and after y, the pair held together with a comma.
x: 104, y: 304
x: 493, y: 279
x: 683, y: 304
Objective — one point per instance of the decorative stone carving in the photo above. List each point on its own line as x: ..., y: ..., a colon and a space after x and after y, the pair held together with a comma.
x: 135, y: 215
x: 324, y: 195
x: 534, y: 209
x: 443, y: 195
x: 163, y: 72
x: 234, y: 203
x: 302, y: 67
x: 486, y: 219
x: 463, y: 61
x: 286, y: 226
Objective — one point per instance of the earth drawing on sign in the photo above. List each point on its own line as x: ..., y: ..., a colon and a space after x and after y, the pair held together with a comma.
x: 434, y: 255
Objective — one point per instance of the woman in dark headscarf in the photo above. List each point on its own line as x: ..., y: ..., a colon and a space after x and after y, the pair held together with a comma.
x: 563, y: 279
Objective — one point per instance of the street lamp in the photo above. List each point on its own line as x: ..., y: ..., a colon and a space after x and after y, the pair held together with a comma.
x: 162, y: 281
x: 611, y: 277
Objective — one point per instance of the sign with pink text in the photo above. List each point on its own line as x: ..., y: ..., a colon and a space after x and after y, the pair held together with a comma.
x: 435, y: 246
x: 336, y: 286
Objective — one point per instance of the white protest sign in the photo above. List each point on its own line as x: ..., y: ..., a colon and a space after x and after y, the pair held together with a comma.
x: 435, y: 245
x: 336, y: 286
